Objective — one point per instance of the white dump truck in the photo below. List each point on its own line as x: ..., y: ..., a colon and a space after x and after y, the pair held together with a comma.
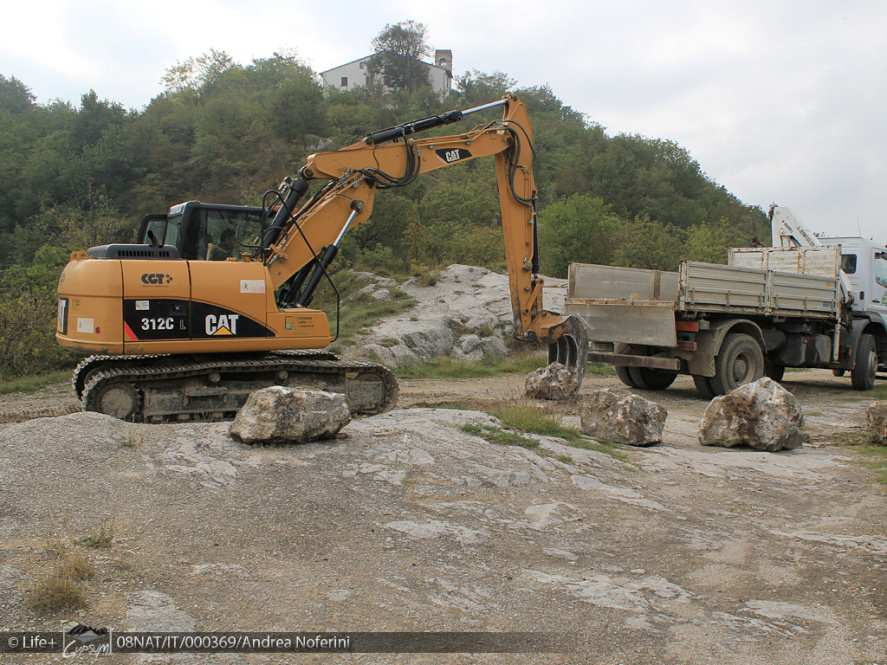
x: 807, y: 301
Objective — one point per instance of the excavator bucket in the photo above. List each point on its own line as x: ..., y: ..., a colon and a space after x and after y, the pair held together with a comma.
x: 571, y: 347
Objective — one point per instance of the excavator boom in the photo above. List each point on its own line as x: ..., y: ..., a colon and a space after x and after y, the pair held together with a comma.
x: 181, y: 336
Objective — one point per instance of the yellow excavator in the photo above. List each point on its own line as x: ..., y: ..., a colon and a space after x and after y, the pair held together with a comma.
x: 215, y: 301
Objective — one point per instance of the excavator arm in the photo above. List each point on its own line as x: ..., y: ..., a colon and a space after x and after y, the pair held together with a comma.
x: 302, y: 241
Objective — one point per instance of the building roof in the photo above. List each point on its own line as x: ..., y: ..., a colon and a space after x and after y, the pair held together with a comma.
x: 367, y: 57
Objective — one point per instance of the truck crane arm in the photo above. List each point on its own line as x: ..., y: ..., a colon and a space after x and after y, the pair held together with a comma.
x: 301, y: 242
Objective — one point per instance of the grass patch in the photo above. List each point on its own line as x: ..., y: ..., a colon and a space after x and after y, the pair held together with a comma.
x: 76, y: 566
x: 563, y: 457
x: 851, y: 437
x: 878, y: 392
x: 33, y: 382
x: 61, y: 588
x: 535, y: 420
x: 875, y: 458
x: 518, y: 363
x: 55, y: 592
x: 101, y: 538
x: 450, y: 368
x: 600, y: 369
x: 456, y: 405
x: 359, y: 312
x: 499, y: 436
x: 872, y: 456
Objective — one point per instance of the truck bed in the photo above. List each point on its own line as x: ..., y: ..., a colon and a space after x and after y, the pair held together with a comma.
x: 638, y: 306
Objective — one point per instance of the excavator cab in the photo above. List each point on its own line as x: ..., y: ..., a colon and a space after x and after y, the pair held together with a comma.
x: 194, y: 231
x: 207, y: 231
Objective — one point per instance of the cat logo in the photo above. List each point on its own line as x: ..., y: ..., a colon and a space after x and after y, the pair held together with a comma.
x: 221, y: 324
x: 453, y: 154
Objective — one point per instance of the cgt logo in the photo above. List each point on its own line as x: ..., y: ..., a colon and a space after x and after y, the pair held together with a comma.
x: 156, y: 278
x: 221, y: 324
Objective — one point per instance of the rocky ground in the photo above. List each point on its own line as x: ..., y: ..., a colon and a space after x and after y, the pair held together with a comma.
x: 465, y: 313
x: 679, y: 554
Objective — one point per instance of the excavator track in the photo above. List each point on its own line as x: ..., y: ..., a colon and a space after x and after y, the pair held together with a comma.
x: 164, y: 388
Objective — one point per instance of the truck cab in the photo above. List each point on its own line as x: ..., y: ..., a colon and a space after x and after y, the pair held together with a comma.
x: 864, y: 263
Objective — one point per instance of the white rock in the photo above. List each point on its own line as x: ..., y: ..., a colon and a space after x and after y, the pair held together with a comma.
x: 554, y: 382
x: 465, y: 301
x: 279, y: 414
x: 469, y: 343
x: 609, y: 416
x: 493, y: 347
x: 762, y: 415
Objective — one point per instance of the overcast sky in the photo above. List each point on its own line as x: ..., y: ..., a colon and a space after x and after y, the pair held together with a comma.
x: 778, y: 101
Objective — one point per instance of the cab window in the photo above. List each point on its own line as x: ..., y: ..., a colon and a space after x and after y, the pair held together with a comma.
x: 165, y: 230
x: 173, y: 230
x: 848, y: 263
x: 229, y: 234
x: 157, y: 229
x: 881, y: 270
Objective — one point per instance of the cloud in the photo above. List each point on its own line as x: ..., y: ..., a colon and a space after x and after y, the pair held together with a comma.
x: 777, y: 101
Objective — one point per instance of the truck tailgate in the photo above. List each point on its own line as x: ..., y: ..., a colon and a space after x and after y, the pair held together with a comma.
x: 625, y: 305
x: 647, y: 322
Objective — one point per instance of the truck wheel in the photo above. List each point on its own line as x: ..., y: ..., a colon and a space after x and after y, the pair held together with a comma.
x: 774, y: 371
x: 646, y: 378
x: 740, y: 361
x: 703, y: 386
x: 625, y: 377
x: 863, y: 373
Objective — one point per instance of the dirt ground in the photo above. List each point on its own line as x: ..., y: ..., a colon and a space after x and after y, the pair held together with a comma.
x: 683, y: 554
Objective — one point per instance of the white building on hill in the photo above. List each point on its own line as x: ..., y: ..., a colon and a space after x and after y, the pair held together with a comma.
x: 353, y: 74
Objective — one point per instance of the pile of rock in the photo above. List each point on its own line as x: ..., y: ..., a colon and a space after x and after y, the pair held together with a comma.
x: 761, y: 415
x: 465, y: 314
x: 554, y: 382
x: 607, y: 415
x: 279, y: 414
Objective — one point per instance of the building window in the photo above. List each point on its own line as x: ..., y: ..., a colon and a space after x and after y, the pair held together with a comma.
x: 344, y: 82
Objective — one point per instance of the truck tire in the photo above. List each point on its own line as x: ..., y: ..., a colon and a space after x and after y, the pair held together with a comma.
x: 863, y: 373
x: 646, y: 378
x: 703, y: 386
x: 839, y: 371
x: 740, y: 361
x: 625, y: 376
x: 774, y: 371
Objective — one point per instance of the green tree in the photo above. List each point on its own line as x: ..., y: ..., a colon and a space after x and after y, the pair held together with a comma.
x: 196, y: 73
x: 398, y: 51
x: 643, y: 243
x: 477, y: 87
x: 15, y: 96
x: 581, y: 228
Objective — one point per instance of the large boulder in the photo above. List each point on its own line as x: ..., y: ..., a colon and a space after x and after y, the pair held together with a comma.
x: 607, y: 415
x: 761, y: 414
x: 555, y: 382
x: 290, y: 415
x: 876, y: 418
